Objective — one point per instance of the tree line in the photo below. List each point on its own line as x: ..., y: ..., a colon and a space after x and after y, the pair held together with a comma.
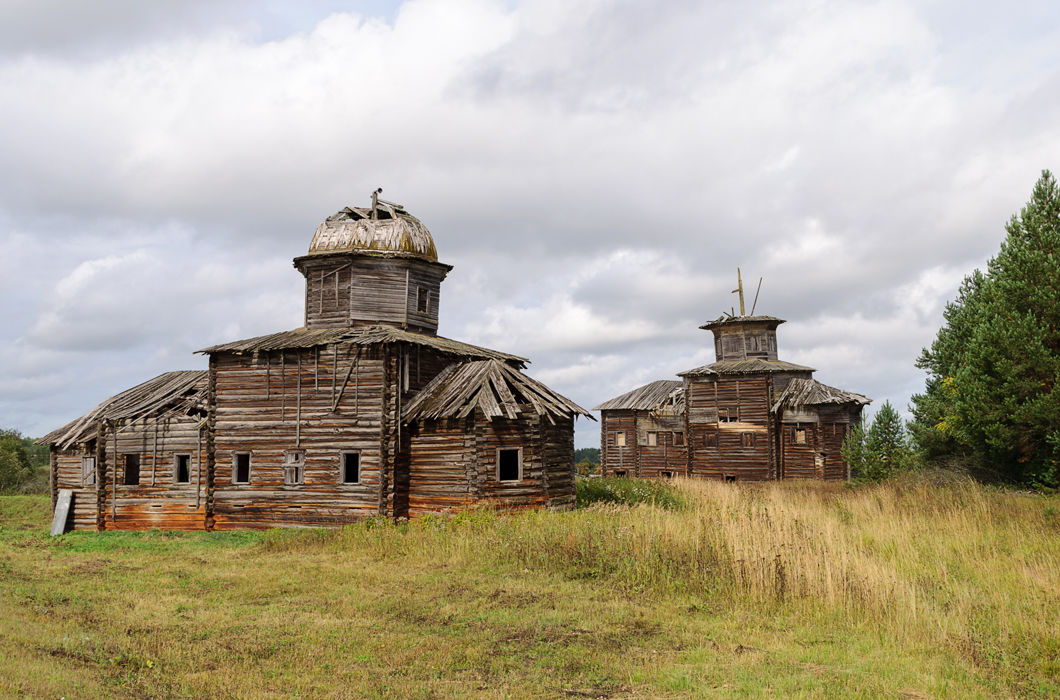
x: 23, y: 464
x: 991, y: 404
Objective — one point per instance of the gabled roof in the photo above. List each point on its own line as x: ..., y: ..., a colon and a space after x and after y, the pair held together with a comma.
x: 172, y: 393
x: 750, y: 366
x: 493, y: 387
x: 648, y: 397
x: 810, y: 392
x: 359, y: 335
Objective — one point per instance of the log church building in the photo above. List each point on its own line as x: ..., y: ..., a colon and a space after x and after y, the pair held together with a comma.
x: 747, y: 416
x: 363, y: 411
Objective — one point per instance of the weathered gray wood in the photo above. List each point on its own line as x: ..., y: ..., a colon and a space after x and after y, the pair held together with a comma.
x: 62, y: 511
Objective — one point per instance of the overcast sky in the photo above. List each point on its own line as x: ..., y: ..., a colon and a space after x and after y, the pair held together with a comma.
x: 595, y: 171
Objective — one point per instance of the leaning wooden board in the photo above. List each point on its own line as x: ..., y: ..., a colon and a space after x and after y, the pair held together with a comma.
x: 62, y: 511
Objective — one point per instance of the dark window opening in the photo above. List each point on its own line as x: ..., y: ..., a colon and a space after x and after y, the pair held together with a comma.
x: 666, y: 475
x: 620, y: 472
x: 423, y: 301
x: 679, y: 439
x: 710, y: 440
x: 182, y: 470
x: 132, y: 470
x: 724, y: 416
x: 351, y: 468
x: 730, y: 478
x: 508, y: 465
x: 241, y: 468
x: 747, y: 439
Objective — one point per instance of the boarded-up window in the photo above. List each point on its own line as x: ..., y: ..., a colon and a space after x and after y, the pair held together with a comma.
x: 509, y: 464
x: 620, y: 438
x: 651, y: 439
x: 679, y: 439
x: 293, y: 467
x: 351, y: 468
x: 132, y: 470
x: 182, y: 469
x: 798, y: 436
x: 710, y: 440
x: 747, y: 439
x: 88, y: 471
x: 241, y: 468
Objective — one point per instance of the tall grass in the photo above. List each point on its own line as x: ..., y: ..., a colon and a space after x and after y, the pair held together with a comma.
x: 956, y: 565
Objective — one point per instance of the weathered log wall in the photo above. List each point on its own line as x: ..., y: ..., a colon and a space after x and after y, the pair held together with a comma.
x: 614, y: 457
x: 323, y: 401
x: 729, y: 431
x: 348, y: 289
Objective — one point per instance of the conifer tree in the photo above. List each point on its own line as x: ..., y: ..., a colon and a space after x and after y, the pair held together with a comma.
x: 993, y: 368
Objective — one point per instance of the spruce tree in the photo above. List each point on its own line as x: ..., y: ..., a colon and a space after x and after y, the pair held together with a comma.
x: 993, y: 369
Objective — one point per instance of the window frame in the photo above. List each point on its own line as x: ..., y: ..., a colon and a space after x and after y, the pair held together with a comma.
x: 342, y: 467
x: 519, y: 464
x: 88, y: 471
x: 747, y: 440
x: 710, y: 440
x: 293, y: 467
x: 176, y: 467
x: 620, y: 438
x: 235, y: 468
x: 797, y: 433
x: 651, y: 438
x: 678, y: 438
x: 125, y: 468
x: 423, y: 300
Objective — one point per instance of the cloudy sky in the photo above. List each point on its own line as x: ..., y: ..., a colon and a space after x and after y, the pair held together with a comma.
x: 595, y: 171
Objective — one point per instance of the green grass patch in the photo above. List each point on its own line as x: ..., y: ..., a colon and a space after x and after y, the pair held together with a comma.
x: 897, y: 590
x: 629, y: 492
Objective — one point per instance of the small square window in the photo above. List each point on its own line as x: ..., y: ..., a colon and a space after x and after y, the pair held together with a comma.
x: 351, y: 468
x: 798, y: 436
x: 747, y: 439
x: 679, y: 439
x: 728, y: 415
x: 88, y: 471
x: 710, y: 440
x: 132, y: 470
x: 620, y: 438
x: 652, y: 439
x: 293, y: 467
x: 241, y: 468
x: 509, y: 464
x: 182, y: 469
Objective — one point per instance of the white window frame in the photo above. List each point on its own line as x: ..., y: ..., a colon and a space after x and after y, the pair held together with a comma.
x: 497, y: 464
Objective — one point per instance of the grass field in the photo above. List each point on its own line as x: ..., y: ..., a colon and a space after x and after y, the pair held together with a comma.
x: 909, y: 589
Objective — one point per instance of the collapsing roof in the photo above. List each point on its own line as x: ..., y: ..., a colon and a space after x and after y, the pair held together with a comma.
x: 386, y: 230
x: 750, y: 366
x: 810, y: 392
x: 493, y: 387
x: 172, y: 393
x: 650, y: 397
x: 360, y: 335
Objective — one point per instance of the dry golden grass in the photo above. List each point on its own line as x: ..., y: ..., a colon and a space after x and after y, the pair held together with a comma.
x: 912, y: 588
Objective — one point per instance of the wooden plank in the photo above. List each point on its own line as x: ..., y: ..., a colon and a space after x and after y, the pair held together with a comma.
x: 62, y: 511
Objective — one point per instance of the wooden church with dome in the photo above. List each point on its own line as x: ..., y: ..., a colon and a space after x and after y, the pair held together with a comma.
x: 363, y: 411
x: 748, y: 416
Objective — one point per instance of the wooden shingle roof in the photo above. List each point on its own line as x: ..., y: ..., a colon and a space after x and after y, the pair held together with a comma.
x: 649, y: 397
x: 172, y: 393
x: 750, y: 366
x: 493, y: 387
x: 810, y: 392
x: 359, y: 335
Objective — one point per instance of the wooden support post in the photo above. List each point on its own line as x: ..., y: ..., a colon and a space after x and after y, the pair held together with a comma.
x: 101, y: 472
x: 283, y: 386
x: 298, y: 406
x: 114, y: 484
x: 154, y: 452
x: 211, y: 444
